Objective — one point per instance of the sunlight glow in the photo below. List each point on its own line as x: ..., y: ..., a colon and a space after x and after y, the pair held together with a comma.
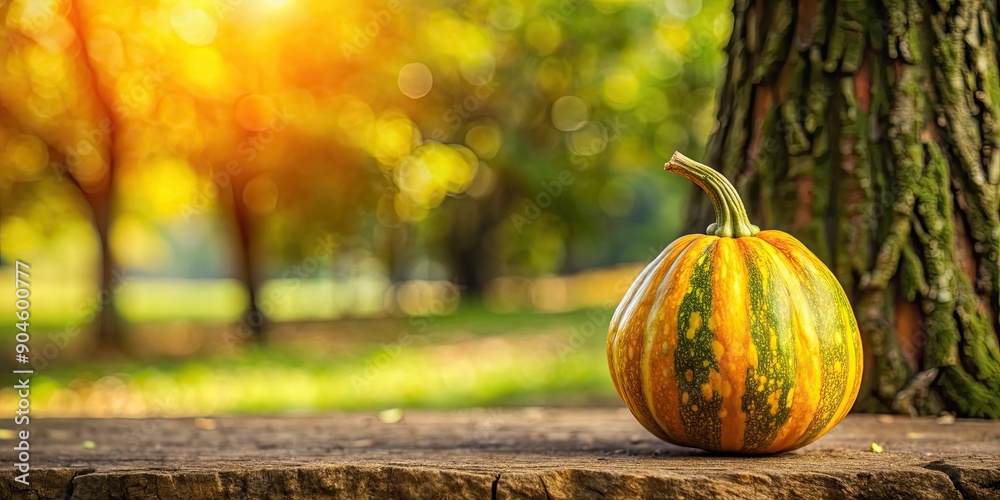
x: 193, y: 25
x: 276, y: 4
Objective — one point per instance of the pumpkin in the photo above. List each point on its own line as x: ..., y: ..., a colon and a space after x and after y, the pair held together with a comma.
x: 739, y: 340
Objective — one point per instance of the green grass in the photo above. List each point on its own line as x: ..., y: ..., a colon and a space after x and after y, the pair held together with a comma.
x: 59, y: 301
x: 470, y: 358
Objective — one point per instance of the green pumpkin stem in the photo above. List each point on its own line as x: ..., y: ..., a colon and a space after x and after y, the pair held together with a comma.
x: 730, y: 213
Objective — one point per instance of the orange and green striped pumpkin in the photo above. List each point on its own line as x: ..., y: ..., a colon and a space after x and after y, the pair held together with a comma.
x: 739, y: 340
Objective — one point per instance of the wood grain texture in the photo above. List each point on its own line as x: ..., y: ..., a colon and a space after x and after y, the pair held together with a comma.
x: 491, y: 453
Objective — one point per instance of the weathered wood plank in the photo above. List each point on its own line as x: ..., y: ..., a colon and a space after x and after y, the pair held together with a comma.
x: 508, y: 453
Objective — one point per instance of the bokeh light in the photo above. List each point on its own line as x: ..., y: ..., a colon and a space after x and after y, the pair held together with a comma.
x: 373, y: 163
x: 589, y: 140
x: 683, y: 9
x: 255, y: 112
x: 193, y: 25
x: 415, y: 80
x: 570, y: 113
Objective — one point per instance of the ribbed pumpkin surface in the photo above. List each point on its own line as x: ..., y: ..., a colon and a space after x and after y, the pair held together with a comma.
x: 741, y: 344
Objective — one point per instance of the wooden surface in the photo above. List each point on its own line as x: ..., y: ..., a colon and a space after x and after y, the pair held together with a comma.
x: 509, y: 453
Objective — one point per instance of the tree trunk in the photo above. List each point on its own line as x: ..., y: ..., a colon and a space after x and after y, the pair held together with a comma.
x: 869, y: 131
x: 253, y: 321
x: 109, y: 331
x: 465, y: 246
x: 470, y: 248
x: 108, y: 325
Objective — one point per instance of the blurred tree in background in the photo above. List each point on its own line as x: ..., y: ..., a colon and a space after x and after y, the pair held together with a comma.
x: 58, y: 123
x: 449, y: 140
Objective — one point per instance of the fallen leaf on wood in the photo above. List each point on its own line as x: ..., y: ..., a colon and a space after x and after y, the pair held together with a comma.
x: 205, y: 424
x: 390, y: 416
x: 946, y: 419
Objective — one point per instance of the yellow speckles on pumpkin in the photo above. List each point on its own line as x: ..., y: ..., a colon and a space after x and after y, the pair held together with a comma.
x: 689, y: 375
x: 666, y: 348
x: 705, y: 363
x: 694, y: 408
x: 717, y: 349
x: 693, y: 325
x: 788, y: 401
x: 706, y: 390
x: 723, y: 413
x: 774, y: 341
x: 713, y: 384
x: 684, y: 398
x: 752, y: 356
x: 772, y: 402
x: 837, y: 366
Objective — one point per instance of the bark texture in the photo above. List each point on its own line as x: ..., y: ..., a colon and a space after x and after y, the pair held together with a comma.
x: 868, y: 130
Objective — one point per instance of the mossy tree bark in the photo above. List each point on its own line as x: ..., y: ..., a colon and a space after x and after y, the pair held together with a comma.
x: 869, y: 131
